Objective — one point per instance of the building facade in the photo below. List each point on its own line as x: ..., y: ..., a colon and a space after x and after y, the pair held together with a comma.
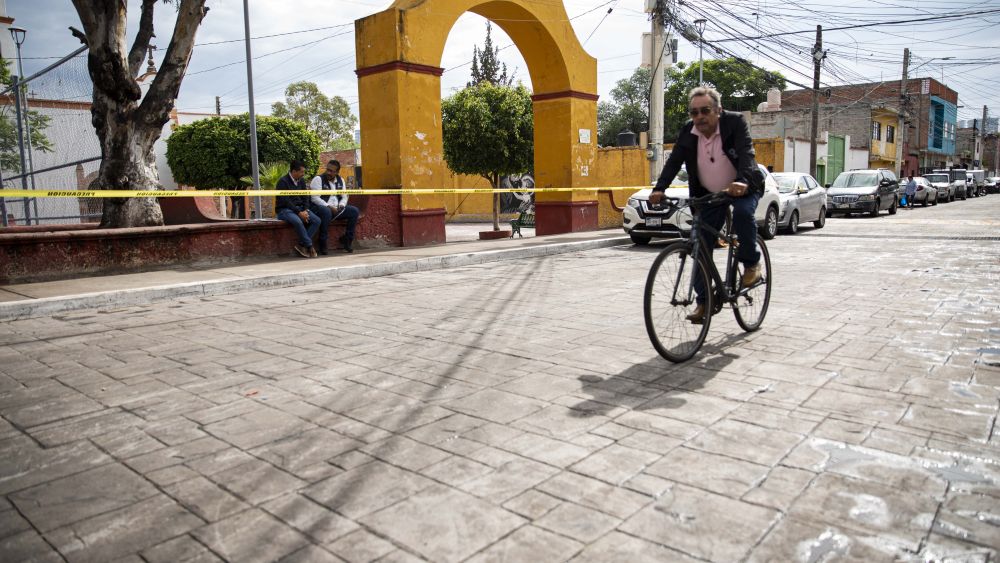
x: 852, y: 137
x: 931, y: 126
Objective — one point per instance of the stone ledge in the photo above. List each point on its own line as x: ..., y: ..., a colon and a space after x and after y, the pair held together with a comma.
x: 31, y: 308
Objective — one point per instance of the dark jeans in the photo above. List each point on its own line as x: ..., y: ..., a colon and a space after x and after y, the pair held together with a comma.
x: 323, y: 212
x: 349, y: 214
x: 293, y: 219
x: 744, y: 227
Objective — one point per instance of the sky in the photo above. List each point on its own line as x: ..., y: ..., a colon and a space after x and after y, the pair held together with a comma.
x: 318, y: 43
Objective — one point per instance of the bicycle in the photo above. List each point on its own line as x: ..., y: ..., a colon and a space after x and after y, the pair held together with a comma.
x: 670, y: 296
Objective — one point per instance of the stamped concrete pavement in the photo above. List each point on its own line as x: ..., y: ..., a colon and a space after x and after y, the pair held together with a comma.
x: 515, y: 411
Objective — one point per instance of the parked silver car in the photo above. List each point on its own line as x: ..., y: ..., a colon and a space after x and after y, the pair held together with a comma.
x: 802, y: 200
x: 942, y: 183
x: 926, y: 193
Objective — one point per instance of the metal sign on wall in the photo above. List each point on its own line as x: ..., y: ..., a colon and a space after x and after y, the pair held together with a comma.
x: 925, y: 86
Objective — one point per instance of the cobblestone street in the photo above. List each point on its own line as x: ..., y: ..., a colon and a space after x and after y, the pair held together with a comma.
x: 516, y: 411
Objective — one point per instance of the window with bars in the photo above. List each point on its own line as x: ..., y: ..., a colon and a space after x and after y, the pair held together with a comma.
x: 876, y: 131
x: 890, y: 134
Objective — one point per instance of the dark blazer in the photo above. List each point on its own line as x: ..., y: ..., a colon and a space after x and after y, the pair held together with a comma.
x: 736, y: 144
x: 296, y: 203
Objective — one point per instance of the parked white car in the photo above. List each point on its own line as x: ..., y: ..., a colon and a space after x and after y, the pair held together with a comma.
x: 642, y: 225
x: 802, y: 200
x: 942, y: 183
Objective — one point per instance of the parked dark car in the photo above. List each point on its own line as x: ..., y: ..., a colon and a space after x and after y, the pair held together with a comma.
x: 863, y: 191
x: 993, y: 185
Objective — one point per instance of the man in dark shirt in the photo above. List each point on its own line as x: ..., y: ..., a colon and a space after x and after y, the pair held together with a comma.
x: 294, y: 209
x: 716, y: 148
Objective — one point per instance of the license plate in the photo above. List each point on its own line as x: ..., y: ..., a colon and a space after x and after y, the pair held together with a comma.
x: 654, y: 221
x: 843, y: 205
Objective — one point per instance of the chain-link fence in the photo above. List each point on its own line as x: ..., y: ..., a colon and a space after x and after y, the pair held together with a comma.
x: 47, y: 142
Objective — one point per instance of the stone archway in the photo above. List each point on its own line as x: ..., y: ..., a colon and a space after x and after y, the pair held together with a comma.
x: 399, y: 84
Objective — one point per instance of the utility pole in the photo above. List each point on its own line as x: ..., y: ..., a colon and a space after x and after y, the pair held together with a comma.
x: 901, y: 129
x: 818, y: 56
x: 254, y: 165
x: 980, y: 140
x: 655, y: 154
x: 218, y: 106
x: 996, y: 153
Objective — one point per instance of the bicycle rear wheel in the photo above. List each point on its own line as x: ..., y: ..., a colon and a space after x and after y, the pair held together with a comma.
x: 751, y: 303
x: 669, y: 298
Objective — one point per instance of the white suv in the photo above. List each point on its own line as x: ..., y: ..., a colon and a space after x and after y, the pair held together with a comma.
x: 642, y: 224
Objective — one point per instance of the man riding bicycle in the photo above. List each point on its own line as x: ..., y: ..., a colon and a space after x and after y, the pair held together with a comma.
x: 718, y: 152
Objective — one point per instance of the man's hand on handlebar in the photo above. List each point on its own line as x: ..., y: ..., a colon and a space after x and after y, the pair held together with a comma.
x: 737, y: 189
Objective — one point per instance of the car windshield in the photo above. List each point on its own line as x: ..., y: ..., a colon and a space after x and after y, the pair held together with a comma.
x: 857, y: 180
x: 937, y: 178
x: 786, y: 184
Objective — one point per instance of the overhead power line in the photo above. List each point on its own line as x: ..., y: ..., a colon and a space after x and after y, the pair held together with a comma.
x: 864, y: 25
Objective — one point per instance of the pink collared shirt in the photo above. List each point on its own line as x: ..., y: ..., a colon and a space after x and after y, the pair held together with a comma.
x: 714, y: 170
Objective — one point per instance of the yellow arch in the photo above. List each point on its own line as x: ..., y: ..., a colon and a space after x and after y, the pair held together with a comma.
x: 399, y: 54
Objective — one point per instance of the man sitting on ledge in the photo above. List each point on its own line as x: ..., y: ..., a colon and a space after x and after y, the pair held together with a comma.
x: 333, y: 206
x: 294, y: 209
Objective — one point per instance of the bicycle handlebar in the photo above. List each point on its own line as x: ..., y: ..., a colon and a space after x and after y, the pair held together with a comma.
x: 712, y: 198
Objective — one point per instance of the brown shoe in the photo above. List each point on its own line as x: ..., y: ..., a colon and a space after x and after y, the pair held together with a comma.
x: 698, y: 316
x: 312, y: 252
x: 751, y: 275
x: 303, y: 251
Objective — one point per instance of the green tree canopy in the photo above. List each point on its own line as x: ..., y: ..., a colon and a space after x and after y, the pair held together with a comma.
x: 488, y: 131
x: 628, y: 108
x: 10, y: 156
x: 486, y: 65
x: 215, y: 152
x: 741, y: 84
x: 329, y: 118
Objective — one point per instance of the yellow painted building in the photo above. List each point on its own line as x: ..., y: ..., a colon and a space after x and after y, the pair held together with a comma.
x: 398, y: 56
x: 882, y: 150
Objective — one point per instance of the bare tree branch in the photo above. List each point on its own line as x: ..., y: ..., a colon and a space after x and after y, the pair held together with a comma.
x: 78, y: 34
x: 141, y: 42
x: 156, y: 105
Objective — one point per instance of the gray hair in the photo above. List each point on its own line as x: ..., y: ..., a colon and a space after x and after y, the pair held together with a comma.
x: 706, y: 91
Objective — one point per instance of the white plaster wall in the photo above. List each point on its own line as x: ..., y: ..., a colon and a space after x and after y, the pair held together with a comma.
x: 856, y: 159
x: 797, y: 155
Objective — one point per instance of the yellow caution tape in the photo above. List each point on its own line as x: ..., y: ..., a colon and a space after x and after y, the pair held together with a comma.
x: 269, y: 193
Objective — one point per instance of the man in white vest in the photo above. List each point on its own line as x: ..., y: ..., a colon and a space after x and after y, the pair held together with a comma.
x: 333, y: 206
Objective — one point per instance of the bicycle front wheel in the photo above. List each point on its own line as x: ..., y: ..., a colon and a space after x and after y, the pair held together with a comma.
x: 751, y: 303
x: 670, y: 298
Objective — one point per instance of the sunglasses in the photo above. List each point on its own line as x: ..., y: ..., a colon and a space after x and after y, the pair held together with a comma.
x: 703, y: 110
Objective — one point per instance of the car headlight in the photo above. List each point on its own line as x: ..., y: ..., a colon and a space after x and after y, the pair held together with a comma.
x: 633, y: 202
x: 866, y: 197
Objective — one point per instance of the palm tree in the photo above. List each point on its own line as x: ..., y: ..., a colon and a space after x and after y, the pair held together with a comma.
x: 269, y: 174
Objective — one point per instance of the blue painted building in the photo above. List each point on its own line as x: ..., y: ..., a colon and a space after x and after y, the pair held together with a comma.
x: 942, y: 130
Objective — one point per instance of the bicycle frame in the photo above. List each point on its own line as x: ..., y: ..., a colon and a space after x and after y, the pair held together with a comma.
x: 727, y: 292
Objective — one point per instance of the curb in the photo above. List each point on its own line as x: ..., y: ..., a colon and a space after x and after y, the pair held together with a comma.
x: 31, y: 308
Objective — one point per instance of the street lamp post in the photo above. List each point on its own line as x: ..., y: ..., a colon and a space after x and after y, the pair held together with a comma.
x: 699, y: 24
x: 18, y: 35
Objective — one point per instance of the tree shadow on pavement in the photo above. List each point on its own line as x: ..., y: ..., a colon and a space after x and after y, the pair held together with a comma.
x: 655, y: 383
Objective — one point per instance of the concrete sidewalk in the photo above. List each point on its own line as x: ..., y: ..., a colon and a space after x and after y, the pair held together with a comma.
x: 27, y: 300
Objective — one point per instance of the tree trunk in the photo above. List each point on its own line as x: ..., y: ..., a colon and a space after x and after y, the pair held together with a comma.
x: 495, y: 182
x: 129, y: 166
x: 128, y: 124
